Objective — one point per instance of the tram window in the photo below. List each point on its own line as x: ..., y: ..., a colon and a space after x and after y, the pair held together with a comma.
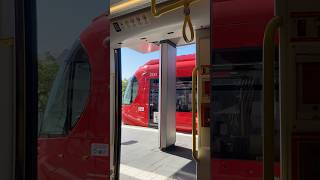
x: 238, y: 56
x: 131, y: 91
x: 81, y: 85
x: 55, y: 115
x: 241, y: 55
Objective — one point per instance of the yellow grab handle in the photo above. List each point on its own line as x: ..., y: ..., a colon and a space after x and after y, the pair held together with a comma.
x: 268, y: 97
x: 194, y: 110
x: 187, y: 20
x: 171, y: 7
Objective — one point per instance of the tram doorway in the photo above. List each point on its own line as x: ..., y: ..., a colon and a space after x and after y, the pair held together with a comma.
x: 174, y: 153
x: 142, y: 156
x: 138, y: 29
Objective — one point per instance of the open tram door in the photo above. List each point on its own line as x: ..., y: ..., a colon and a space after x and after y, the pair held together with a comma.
x: 133, y: 25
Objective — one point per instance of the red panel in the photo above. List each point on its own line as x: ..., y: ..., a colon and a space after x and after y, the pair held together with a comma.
x: 239, y: 169
x: 205, y: 114
x: 310, y: 91
x: 69, y: 157
x: 305, y: 152
x: 207, y: 87
x: 97, y: 112
x: 240, y: 23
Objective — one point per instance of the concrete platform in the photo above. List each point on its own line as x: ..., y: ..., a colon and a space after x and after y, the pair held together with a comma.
x: 142, y: 159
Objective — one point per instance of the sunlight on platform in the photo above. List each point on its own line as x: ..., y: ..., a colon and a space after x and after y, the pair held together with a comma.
x: 142, y: 159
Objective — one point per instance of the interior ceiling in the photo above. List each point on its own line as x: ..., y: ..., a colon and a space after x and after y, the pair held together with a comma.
x: 142, y: 32
x: 114, y: 2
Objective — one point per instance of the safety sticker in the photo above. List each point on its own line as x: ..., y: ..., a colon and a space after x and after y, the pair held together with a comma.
x: 99, y: 150
x: 140, y: 109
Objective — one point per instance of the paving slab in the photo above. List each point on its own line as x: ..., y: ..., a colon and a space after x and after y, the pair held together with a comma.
x: 142, y: 159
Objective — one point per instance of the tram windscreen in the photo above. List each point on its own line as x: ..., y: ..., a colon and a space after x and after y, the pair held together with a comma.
x: 69, y: 94
x: 131, y: 91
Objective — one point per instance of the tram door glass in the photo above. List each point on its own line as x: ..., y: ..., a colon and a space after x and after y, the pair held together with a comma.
x: 236, y: 129
x: 183, y: 97
x: 237, y: 108
x: 65, y: 79
x: 153, y: 101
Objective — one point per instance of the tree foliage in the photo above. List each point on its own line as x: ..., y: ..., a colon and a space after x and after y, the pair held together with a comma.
x: 124, y: 85
x: 47, y: 70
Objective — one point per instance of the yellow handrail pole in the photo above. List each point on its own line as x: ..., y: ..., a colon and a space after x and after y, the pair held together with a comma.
x: 268, y: 97
x: 194, y: 111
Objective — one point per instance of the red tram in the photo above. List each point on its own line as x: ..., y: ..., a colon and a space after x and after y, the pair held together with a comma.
x: 140, y: 101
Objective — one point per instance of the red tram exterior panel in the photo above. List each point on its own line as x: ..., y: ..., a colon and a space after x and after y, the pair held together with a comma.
x: 80, y: 150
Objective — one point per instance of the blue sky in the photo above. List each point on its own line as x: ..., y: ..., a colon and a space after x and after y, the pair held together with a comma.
x: 132, y: 60
x: 59, y: 22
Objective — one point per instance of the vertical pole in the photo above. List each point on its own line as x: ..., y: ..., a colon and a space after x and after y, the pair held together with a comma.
x: 167, y: 94
x: 31, y: 88
x: 25, y: 89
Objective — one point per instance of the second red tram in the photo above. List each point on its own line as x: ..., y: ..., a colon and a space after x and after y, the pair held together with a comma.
x: 140, y: 101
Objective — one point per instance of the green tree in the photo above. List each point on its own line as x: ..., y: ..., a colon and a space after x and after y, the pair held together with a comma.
x: 124, y: 85
x: 47, y: 70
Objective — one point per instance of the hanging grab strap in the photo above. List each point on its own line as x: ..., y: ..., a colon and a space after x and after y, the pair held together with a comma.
x: 187, y: 19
